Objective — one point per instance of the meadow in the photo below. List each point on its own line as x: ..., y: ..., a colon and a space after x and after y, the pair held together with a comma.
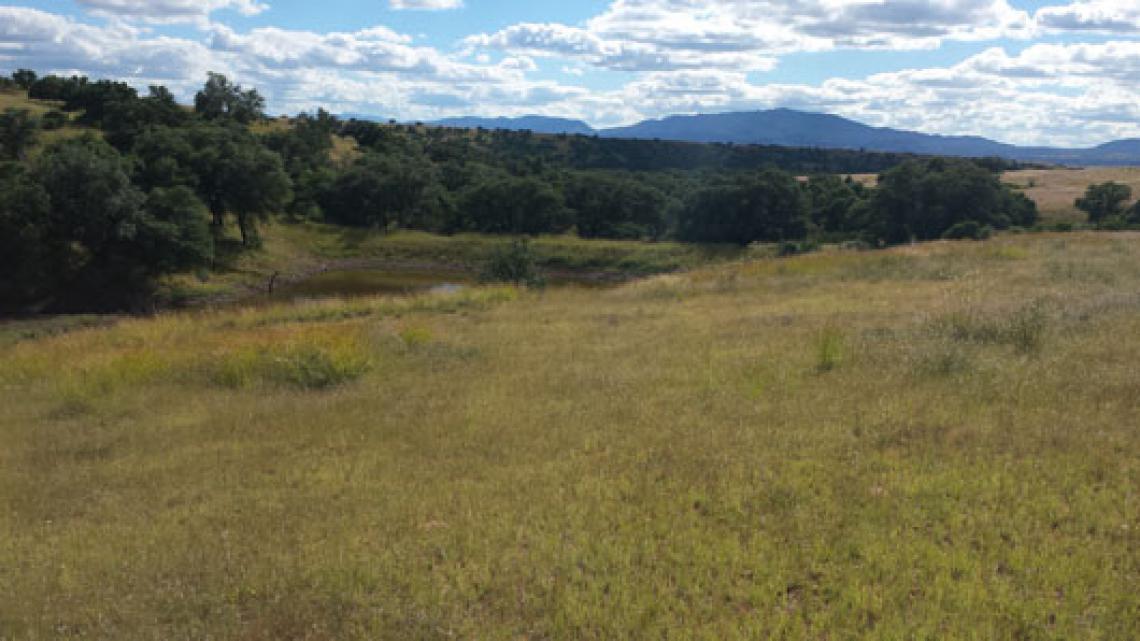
x: 930, y: 442
x: 1056, y: 190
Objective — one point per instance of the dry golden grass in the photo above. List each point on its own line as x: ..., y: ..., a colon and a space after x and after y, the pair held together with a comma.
x: 19, y: 100
x: 1056, y: 190
x: 933, y: 442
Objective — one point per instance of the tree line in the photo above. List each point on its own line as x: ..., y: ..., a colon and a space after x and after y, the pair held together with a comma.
x: 145, y: 186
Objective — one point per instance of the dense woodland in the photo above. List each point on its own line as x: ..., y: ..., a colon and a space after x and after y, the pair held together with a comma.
x: 148, y: 186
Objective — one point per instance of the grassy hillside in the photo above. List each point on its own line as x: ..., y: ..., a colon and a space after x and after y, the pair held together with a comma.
x: 932, y: 442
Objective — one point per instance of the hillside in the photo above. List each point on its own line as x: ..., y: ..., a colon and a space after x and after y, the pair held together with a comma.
x: 935, y: 441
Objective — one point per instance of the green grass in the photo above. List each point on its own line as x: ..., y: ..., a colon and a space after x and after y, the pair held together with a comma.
x: 933, y: 442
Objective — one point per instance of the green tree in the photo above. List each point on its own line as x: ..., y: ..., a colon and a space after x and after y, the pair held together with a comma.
x: 609, y: 206
x: 255, y: 186
x: 103, y: 241
x: 922, y: 199
x: 833, y: 203
x: 512, y: 205
x: 221, y: 100
x: 226, y: 166
x: 769, y: 206
x: 1104, y: 201
x: 24, y: 78
x: 18, y: 131
x: 24, y: 251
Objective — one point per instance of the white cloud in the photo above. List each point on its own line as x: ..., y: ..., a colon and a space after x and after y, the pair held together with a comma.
x: 655, y: 35
x: 171, y: 10
x: 426, y: 5
x: 1106, y: 16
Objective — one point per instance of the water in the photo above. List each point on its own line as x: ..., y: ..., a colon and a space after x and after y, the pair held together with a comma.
x: 349, y: 283
x: 371, y: 282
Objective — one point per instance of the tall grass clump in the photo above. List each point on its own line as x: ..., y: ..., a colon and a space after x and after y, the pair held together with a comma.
x: 1025, y: 329
x: 829, y: 349
x: 305, y: 366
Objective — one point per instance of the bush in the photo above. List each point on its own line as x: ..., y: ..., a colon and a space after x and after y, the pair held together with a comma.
x: 968, y: 230
x: 54, y: 119
x: 307, y: 367
x: 513, y: 263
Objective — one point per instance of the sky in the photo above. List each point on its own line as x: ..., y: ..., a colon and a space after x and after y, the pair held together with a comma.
x: 1049, y: 72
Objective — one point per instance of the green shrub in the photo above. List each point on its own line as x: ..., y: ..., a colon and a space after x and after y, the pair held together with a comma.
x: 968, y: 230
x: 307, y: 367
x: 513, y: 262
x: 54, y: 119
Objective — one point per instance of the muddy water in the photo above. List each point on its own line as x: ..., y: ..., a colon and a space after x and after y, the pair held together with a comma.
x: 347, y: 283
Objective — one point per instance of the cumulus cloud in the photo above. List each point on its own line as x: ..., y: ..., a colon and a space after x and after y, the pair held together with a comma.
x: 426, y: 5
x: 656, y: 35
x: 1106, y: 16
x: 171, y: 10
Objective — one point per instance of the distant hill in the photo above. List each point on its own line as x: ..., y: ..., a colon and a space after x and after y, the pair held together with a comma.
x: 791, y: 128
x: 806, y: 129
x: 537, y: 124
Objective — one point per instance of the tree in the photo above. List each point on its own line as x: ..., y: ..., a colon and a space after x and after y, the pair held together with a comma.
x: 18, y: 132
x: 833, y: 203
x: 24, y: 78
x: 225, y: 165
x: 220, y: 100
x: 75, y: 234
x: 24, y: 261
x: 255, y: 186
x: 379, y: 190
x: 922, y: 199
x: 607, y: 206
x: 769, y: 206
x: 1104, y: 201
x: 511, y: 205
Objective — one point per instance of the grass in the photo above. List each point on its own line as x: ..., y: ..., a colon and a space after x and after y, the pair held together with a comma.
x: 933, y: 442
x: 1056, y: 190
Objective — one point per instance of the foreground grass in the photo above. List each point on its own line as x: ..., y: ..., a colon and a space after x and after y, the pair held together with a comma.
x: 935, y: 442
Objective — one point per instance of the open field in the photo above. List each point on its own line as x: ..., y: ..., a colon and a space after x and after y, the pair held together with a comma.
x: 930, y: 442
x: 1056, y: 190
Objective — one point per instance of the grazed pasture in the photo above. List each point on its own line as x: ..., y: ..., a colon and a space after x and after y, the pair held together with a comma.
x: 930, y: 442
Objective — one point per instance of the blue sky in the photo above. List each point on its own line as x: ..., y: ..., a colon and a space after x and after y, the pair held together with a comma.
x: 1063, y: 72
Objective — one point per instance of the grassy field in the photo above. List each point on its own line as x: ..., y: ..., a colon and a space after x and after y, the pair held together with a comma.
x: 1056, y: 190
x: 931, y: 442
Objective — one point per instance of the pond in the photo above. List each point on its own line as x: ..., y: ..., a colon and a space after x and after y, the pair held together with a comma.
x: 349, y: 283
x: 372, y: 282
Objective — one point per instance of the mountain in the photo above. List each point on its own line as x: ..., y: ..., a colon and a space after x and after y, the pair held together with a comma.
x: 537, y: 124
x: 792, y: 128
x: 787, y: 127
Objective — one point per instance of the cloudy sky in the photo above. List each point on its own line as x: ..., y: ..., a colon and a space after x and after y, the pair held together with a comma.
x: 1060, y: 72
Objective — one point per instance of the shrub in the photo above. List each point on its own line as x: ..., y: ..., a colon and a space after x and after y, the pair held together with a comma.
x: 968, y: 230
x: 513, y: 263
x: 54, y: 119
x: 303, y: 366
